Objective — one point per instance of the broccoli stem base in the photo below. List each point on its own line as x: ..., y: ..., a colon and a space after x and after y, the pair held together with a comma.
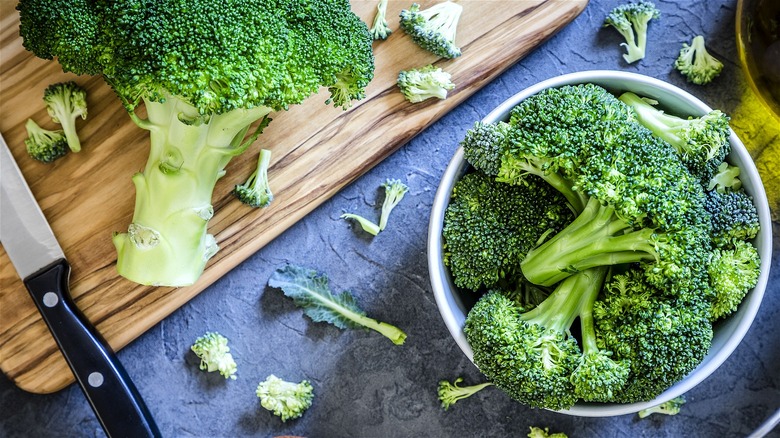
x: 167, y: 243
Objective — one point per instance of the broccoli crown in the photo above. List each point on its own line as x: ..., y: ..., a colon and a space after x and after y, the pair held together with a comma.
x: 65, y: 102
x: 733, y: 272
x: 489, y: 226
x: 423, y: 83
x: 662, y: 338
x: 286, y: 400
x: 434, y: 29
x: 483, y: 146
x: 214, y: 354
x: 696, y: 63
x: 256, y: 192
x: 217, y: 57
x: 45, y: 145
x: 734, y: 216
x: 631, y: 20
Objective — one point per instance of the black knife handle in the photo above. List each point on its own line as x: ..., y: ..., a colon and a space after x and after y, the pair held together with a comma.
x: 110, y: 391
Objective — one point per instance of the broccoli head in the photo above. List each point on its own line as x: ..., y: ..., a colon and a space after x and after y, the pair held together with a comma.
x: 733, y: 272
x: 631, y: 20
x: 45, y: 145
x: 287, y: 400
x: 434, y: 29
x: 207, y: 73
x: 66, y: 102
x: 696, y: 63
x: 734, y: 216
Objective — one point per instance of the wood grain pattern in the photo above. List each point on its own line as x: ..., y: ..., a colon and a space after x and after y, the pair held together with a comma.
x: 317, y: 150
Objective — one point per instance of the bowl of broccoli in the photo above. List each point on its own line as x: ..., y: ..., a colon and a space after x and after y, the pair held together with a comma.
x: 599, y: 243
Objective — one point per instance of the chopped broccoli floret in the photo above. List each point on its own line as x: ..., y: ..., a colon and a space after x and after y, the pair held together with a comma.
x: 394, y: 192
x: 726, y: 178
x: 450, y: 393
x: 419, y: 84
x: 670, y: 407
x: 256, y: 192
x: 696, y: 63
x: 380, y: 30
x: 434, y: 29
x: 367, y: 225
x: 205, y: 72
x: 631, y: 20
x: 734, y: 216
x: 66, y: 102
x: 701, y: 142
x: 45, y: 145
x: 214, y: 354
x: 538, y: 432
x: 733, y: 272
x: 286, y: 400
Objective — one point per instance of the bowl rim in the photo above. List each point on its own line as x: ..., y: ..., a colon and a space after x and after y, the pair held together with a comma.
x: 651, y: 87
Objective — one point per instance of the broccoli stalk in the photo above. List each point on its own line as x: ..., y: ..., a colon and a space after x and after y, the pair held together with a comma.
x: 419, y: 84
x: 45, y: 145
x: 394, y: 193
x: 434, y: 29
x: 66, y: 102
x: 287, y: 400
x: 631, y: 20
x: 669, y: 407
x: 380, y: 30
x: 214, y: 354
x: 696, y: 63
x: 450, y: 393
x: 256, y: 192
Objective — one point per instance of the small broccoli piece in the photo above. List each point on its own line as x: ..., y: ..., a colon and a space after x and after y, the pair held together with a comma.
x: 696, y: 63
x: 44, y: 145
x: 733, y: 272
x: 450, y: 393
x: 367, y: 225
x: 670, y: 407
x: 394, y: 192
x: 309, y: 290
x: 380, y: 30
x: 484, y: 144
x: 419, y: 84
x: 434, y: 28
x: 65, y: 102
x: 214, y: 354
x: 702, y: 142
x: 726, y: 178
x: 256, y: 192
x: 538, y: 432
x: 734, y: 216
x: 631, y: 20
x: 286, y: 400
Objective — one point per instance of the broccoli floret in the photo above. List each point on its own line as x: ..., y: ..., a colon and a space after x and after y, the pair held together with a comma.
x: 702, y: 142
x: 631, y: 20
x: 66, y: 102
x: 256, y: 192
x: 489, y: 226
x: 733, y: 272
x: 214, y: 354
x: 726, y: 178
x: 434, y: 28
x: 286, y: 400
x: 532, y: 355
x: 205, y: 72
x: 419, y: 84
x: 538, y: 432
x: 380, y: 30
x: 696, y: 63
x: 394, y: 193
x: 734, y: 216
x: 45, y: 145
x: 484, y: 144
x: 450, y: 393
x: 669, y: 407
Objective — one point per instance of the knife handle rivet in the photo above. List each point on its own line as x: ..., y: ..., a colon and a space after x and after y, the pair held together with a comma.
x: 95, y: 379
x: 50, y: 299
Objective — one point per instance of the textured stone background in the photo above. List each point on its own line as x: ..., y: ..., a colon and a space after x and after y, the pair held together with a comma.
x: 366, y: 386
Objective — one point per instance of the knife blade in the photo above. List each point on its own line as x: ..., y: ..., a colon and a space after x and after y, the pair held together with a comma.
x: 36, y: 255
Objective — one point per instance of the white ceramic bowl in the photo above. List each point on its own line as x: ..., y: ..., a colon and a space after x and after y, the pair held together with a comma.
x: 454, y: 305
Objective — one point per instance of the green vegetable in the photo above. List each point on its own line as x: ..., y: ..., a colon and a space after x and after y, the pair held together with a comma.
x: 734, y: 217
x: 538, y: 432
x: 256, y: 192
x: 309, y: 290
x: 419, y: 84
x: 66, y: 102
x: 380, y: 30
x: 702, y: 143
x: 733, y: 273
x: 214, y: 354
x: 450, y: 393
x: 631, y: 20
x: 206, y: 73
x: 394, y: 193
x: 696, y: 63
x: 434, y: 29
x: 671, y: 407
x: 725, y: 178
x: 45, y: 145
x: 286, y: 400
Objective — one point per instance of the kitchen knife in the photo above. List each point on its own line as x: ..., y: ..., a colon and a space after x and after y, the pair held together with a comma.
x: 40, y: 262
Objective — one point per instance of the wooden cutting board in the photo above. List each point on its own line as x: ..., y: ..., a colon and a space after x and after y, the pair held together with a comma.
x: 317, y: 150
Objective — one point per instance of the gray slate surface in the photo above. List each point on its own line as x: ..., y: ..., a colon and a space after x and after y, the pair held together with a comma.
x: 366, y: 386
